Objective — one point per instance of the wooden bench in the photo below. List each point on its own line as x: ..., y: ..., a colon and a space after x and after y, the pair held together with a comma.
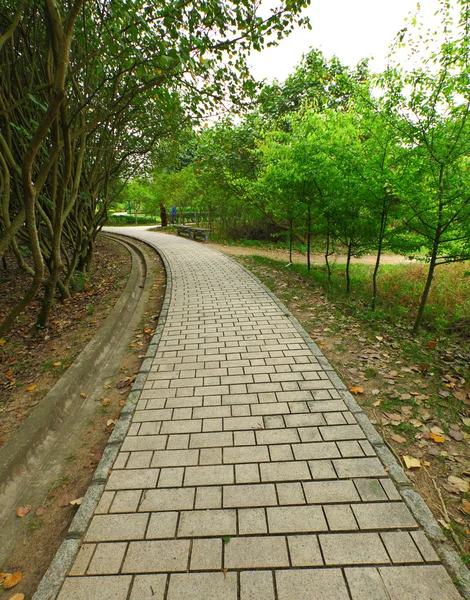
x: 193, y: 232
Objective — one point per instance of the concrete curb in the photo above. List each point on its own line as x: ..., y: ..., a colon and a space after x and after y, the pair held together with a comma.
x: 419, y: 509
x: 54, y: 577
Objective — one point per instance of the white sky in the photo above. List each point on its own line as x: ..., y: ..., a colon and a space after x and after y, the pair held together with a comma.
x: 349, y: 29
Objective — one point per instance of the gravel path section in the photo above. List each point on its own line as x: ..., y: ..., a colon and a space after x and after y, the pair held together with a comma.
x: 247, y: 472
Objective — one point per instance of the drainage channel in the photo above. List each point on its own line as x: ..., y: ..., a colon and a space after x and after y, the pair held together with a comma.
x: 34, y: 458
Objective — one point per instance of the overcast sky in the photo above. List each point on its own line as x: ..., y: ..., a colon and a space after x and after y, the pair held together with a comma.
x: 349, y: 29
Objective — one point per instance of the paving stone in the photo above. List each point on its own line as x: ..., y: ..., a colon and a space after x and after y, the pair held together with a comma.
x: 175, y: 458
x: 252, y: 521
x: 256, y: 553
x: 304, y: 420
x: 365, y: 583
x: 418, y: 583
x: 247, y: 473
x: 162, y: 525
x: 424, y: 546
x: 192, y: 426
x: 350, y: 449
x: 358, y: 467
x: 241, y: 410
x: 256, y: 585
x: 340, y: 517
x: 105, y: 503
x: 211, y: 440
x: 340, y: 432
x: 148, y: 587
x: 401, y: 547
x: 390, y: 489
x: 210, y: 456
x: 139, y: 460
x: 211, y: 412
x: 107, y: 559
x: 108, y: 528
x: 212, y: 425
x: 213, y: 475
x: 239, y: 496
x: 281, y: 453
x: 353, y: 549
x: 209, y: 586
x: 105, y: 588
x: 326, y: 492
x: 316, y: 584
x: 82, y: 561
x: 304, y: 551
x: 290, y: 493
x: 171, y: 477
x: 198, y: 523
x: 167, y: 499
x: 310, y: 434
x: 126, y: 501
x: 240, y: 423
x: 151, y: 428
x: 144, y: 442
x: 161, y: 556
x: 383, y: 515
x: 178, y: 441
x: 206, y: 555
x: 370, y: 490
x: 244, y: 438
x: 285, y: 471
x: 273, y: 422
x: 209, y: 497
x: 248, y: 454
x: 322, y: 469
x: 296, y: 519
x: 315, y: 450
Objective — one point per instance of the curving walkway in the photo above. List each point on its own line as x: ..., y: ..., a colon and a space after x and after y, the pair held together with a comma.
x: 244, y: 475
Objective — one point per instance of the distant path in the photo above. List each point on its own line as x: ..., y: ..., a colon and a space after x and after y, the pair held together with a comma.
x: 316, y: 258
x: 248, y: 472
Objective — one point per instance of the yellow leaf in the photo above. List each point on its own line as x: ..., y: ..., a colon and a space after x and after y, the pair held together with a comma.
x: 12, y: 580
x: 465, y: 508
x: 147, y: 331
x: 356, y: 390
x: 83, y: 395
x: 2, y: 341
x: 437, y: 438
x: 106, y: 402
x: 31, y: 387
x: 17, y: 597
x: 411, y: 462
x: 57, y: 364
x: 131, y: 345
x: 106, y: 387
x: 76, y: 502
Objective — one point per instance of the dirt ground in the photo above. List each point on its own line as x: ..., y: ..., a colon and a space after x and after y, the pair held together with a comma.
x: 73, y: 325
x: 416, y: 391
x: 298, y: 257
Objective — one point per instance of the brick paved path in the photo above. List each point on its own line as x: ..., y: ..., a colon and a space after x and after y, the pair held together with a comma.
x: 243, y: 475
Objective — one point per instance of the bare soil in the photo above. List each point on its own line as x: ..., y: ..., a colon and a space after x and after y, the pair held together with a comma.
x: 316, y: 258
x: 415, y: 391
x: 72, y: 326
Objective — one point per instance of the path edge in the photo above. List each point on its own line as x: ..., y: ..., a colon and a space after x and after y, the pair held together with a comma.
x: 53, y: 579
x: 450, y: 559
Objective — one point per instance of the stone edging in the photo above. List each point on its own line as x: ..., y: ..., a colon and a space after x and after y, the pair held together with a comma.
x: 419, y: 509
x: 55, y: 575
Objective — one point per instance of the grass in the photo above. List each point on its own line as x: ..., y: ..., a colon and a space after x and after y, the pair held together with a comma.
x: 399, y: 292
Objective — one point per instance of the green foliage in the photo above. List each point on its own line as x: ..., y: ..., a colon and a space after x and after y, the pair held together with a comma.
x: 126, y: 220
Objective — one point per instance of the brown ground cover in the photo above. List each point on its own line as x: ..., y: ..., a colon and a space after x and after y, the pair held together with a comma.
x: 29, y: 358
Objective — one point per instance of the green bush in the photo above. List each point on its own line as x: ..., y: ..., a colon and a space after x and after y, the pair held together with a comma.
x: 123, y: 220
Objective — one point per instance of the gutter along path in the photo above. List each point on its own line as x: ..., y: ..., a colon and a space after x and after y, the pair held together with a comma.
x: 248, y: 471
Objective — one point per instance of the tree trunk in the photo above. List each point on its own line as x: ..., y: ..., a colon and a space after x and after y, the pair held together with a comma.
x: 427, y: 287
x: 163, y: 215
x: 291, y: 225
x: 327, y: 252
x: 309, y: 235
x: 348, y: 264
x: 383, y: 222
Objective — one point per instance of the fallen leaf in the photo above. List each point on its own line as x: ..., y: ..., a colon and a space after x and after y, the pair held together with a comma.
x: 393, y: 416
x: 444, y: 524
x: 466, y: 422
x: 83, y: 395
x: 57, y: 364
x: 76, y: 502
x: 66, y: 498
x: 31, y: 388
x: 377, y: 403
x: 356, y: 390
x: 411, y: 462
x: 12, y: 580
x: 111, y: 422
x: 106, y: 402
x: 122, y: 402
x: 2, y: 341
x: 437, y: 438
x: 465, y: 507
x: 131, y: 345
x: 106, y: 387
x: 41, y: 510
x: 17, y: 597
x: 398, y: 438
x: 3, y: 576
x: 22, y: 511
x: 458, y: 482
x: 148, y: 331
